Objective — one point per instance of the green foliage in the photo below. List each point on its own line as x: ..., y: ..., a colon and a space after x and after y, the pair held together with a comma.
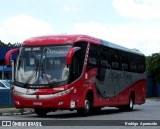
x: 2, y: 44
x: 9, y: 44
x: 153, y: 65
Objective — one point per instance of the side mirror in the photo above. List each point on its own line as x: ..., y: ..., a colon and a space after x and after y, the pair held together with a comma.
x: 8, y: 54
x: 70, y: 54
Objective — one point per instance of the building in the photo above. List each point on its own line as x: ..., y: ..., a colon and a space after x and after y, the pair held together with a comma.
x: 6, y: 72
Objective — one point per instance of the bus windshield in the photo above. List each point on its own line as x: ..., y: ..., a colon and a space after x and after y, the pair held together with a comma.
x: 42, y: 65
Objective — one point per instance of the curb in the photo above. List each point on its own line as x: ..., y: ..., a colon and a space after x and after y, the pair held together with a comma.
x: 14, y: 111
x: 154, y: 98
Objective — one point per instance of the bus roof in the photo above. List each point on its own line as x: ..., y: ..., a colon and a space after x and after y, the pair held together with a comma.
x: 70, y: 39
x: 59, y: 39
x: 116, y: 46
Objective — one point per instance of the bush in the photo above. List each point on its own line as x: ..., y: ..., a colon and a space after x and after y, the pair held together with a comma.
x: 153, y: 66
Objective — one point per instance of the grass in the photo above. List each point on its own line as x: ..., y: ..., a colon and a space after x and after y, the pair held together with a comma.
x: 6, y: 107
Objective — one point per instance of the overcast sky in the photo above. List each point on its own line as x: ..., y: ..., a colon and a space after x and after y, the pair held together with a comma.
x: 130, y: 23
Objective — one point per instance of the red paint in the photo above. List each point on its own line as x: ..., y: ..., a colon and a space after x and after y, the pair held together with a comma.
x: 8, y: 54
x: 81, y: 86
x: 59, y: 39
x: 70, y: 54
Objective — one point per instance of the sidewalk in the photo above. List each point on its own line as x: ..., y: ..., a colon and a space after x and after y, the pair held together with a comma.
x: 14, y: 111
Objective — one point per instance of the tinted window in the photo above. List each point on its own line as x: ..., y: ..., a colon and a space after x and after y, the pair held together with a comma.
x: 78, y: 61
x: 93, y: 57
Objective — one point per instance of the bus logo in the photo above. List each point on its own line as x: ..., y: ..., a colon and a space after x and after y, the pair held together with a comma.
x: 37, y: 96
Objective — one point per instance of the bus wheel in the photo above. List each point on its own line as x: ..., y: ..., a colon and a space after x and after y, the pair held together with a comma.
x: 86, y: 110
x: 129, y: 107
x: 40, y: 112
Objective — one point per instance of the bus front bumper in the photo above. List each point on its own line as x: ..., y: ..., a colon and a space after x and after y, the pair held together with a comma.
x: 60, y: 100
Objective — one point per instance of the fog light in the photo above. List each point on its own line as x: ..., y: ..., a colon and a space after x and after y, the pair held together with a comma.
x: 17, y: 102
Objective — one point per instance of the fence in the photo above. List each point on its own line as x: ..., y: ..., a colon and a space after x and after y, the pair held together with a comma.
x: 153, y: 88
x: 6, y: 98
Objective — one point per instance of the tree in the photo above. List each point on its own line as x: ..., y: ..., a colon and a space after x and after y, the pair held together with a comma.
x: 2, y: 44
x: 9, y: 44
x: 153, y: 65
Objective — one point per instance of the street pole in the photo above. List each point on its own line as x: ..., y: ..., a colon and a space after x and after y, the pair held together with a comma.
x: 12, y: 61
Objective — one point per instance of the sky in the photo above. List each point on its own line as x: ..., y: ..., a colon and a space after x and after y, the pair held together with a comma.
x: 129, y: 23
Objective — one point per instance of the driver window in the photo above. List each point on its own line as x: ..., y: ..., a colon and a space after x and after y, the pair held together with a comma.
x: 75, y: 66
x: 78, y: 60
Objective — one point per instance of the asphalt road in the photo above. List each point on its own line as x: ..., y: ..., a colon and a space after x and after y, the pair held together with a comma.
x: 148, y: 113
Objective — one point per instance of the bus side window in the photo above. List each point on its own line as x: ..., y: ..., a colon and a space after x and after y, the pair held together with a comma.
x: 124, y: 61
x: 141, y: 65
x: 81, y: 54
x: 78, y: 61
x: 75, y: 66
x: 92, y: 61
x: 124, y: 66
x: 115, y: 65
x: 115, y: 60
x: 133, y: 68
x: 74, y: 73
x: 103, y: 64
x: 93, y: 57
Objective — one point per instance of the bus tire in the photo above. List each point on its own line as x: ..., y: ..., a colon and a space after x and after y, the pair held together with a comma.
x: 130, y: 105
x: 40, y: 112
x: 87, y: 108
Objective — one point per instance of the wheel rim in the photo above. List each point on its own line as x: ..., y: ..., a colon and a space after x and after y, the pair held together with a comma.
x: 131, y: 103
x: 87, y: 105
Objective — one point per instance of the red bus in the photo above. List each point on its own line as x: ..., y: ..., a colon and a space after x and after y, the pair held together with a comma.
x: 77, y: 72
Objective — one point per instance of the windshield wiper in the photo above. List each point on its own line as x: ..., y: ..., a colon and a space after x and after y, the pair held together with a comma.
x: 42, y: 69
x: 44, y: 74
x: 39, y: 72
x: 32, y: 75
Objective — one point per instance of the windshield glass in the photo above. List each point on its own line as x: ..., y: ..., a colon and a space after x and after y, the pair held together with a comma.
x: 42, y: 65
